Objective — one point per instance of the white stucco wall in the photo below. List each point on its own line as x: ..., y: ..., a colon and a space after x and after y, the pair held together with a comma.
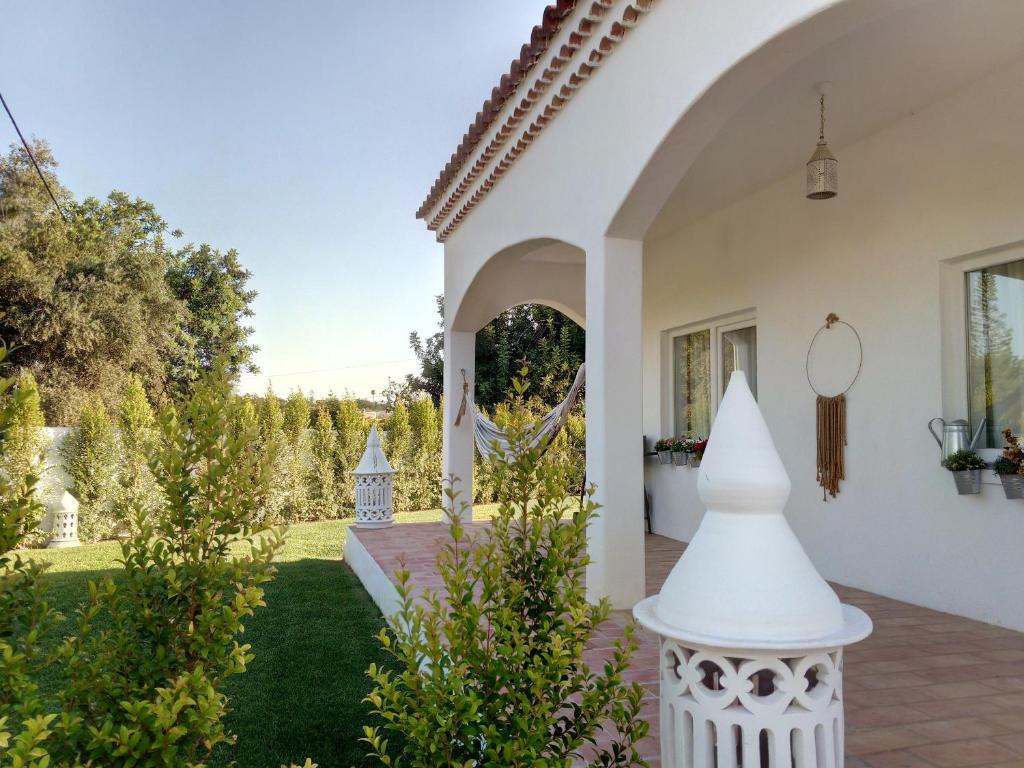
x: 944, y: 183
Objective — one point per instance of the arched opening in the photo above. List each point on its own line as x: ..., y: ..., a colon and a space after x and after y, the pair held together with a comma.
x: 536, y: 271
x: 758, y: 121
x: 526, y: 300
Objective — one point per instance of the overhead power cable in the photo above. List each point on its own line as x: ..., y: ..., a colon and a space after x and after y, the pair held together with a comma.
x: 31, y: 157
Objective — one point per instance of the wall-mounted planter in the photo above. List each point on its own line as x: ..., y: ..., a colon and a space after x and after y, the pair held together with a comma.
x: 665, y: 457
x: 679, y: 458
x: 1013, y: 486
x: 968, y: 481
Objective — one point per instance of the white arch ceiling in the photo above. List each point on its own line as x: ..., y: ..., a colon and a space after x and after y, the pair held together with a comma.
x: 758, y: 121
x: 538, y: 271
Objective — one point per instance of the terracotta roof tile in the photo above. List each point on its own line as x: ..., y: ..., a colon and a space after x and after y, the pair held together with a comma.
x: 540, y: 39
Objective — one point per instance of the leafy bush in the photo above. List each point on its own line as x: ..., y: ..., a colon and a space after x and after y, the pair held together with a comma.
x: 498, y: 678
x: 963, y: 460
x: 92, y: 461
x: 155, y: 646
x: 423, y: 465
x: 353, y: 428
x: 295, y: 480
x: 25, y: 617
x: 396, y: 445
x: 25, y: 443
x: 137, y: 431
x: 323, y: 490
x: 271, y: 439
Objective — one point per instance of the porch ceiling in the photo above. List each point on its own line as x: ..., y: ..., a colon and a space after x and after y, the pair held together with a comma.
x: 880, y: 73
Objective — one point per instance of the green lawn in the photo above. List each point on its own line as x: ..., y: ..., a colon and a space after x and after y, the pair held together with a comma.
x: 302, y: 696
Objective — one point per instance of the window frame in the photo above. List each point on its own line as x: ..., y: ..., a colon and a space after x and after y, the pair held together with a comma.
x: 953, y: 326
x: 717, y: 326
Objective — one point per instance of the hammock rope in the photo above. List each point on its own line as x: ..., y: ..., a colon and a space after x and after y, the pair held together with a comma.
x: 491, y: 439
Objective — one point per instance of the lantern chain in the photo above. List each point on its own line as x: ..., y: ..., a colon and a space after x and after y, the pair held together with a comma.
x: 821, y: 134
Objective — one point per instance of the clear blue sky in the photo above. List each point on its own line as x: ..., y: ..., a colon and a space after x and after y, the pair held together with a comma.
x: 304, y: 134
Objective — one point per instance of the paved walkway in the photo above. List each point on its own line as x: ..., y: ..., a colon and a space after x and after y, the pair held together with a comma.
x: 926, y: 690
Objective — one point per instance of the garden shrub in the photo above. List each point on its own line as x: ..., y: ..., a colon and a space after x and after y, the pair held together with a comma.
x: 137, y: 432
x: 92, y: 461
x: 498, y: 678
x: 396, y: 445
x: 25, y: 442
x: 154, y: 647
x: 353, y: 427
x: 323, y: 485
x: 271, y: 437
x: 25, y: 617
x: 424, y: 461
x: 295, y: 480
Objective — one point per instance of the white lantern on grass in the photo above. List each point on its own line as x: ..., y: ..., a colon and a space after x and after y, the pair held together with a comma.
x: 374, y: 483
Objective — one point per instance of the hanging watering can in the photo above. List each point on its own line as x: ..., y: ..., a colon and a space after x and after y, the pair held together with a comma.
x: 956, y: 436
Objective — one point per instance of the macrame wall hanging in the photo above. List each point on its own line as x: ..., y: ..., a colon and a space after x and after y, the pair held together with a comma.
x: 831, y: 421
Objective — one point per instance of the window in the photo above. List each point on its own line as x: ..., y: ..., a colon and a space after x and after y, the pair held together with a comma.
x: 703, y: 359
x: 691, y: 355
x: 739, y: 353
x: 994, y: 313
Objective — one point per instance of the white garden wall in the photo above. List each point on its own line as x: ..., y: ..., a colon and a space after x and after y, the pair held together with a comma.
x: 941, y: 184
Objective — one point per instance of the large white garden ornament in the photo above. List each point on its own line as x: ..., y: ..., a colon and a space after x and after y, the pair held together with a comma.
x: 63, y: 511
x: 752, y: 638
x: 374, y: 480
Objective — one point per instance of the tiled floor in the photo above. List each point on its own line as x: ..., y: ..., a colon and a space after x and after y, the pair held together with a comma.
x: 926, y: 690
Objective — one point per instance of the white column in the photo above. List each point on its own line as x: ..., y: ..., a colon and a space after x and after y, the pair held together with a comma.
x: 459, y: 355
x: 614, y: 420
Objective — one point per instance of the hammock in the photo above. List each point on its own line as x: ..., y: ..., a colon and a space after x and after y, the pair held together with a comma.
x: 491, y: 439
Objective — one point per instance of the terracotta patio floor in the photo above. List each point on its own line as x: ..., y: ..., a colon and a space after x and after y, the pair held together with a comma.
x: 925, y: 690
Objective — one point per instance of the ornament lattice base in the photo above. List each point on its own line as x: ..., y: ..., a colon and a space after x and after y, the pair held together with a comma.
x: 726, y: 709
x: 373, y: 501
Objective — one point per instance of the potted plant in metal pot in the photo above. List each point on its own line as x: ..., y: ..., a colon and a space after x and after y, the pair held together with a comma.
x: 664, y: 450
x: 966, y: 466
x: 679, y: 452
x: 697, y: 452
x: 1008, y: 466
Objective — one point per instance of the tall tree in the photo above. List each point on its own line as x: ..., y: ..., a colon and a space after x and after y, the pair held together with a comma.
x: 83, y: 303
x: 88, y: 302
x: 212, y: 286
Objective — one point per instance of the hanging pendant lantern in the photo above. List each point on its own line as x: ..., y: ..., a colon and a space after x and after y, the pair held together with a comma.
x: 822, y: 168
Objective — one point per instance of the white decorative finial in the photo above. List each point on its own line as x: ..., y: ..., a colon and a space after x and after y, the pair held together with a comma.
x: 741, y: 470
x: 374, y: 461
x: 744, y: 580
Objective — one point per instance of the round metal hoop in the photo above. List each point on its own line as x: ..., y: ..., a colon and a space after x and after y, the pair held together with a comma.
x: 831, y: 320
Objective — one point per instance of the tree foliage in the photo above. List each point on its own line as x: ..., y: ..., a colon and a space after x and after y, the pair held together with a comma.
x: 88, y: 302
x: 212, y: 286
x: 550, y: 344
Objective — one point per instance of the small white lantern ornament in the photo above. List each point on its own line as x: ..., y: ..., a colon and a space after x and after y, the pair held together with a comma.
x: 374, y: 482
x: 64, y: 511
x: 751, y: 662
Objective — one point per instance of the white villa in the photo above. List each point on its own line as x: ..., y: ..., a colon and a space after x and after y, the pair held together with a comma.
x: 642, y: 168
